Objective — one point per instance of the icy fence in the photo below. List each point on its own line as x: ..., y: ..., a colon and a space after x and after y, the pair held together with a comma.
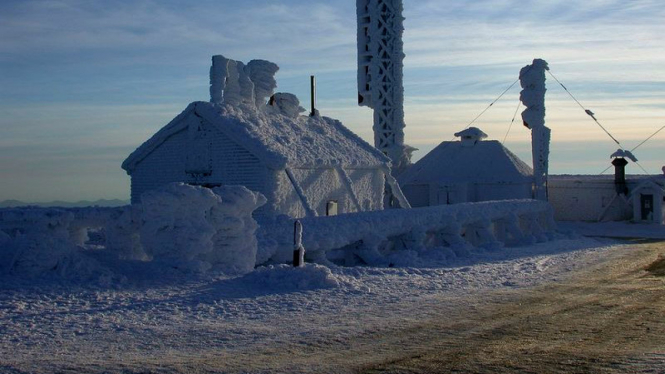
x: 371, y: 236
x: 181, y: 226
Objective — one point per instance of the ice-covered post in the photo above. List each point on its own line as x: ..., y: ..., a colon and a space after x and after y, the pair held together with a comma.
x: 298, y: 249
x: 532, y: 80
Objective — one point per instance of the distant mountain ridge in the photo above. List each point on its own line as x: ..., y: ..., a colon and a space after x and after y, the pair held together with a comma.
x: 65, y: 204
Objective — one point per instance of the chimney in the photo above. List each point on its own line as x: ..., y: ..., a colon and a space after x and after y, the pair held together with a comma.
x: 620, y: 175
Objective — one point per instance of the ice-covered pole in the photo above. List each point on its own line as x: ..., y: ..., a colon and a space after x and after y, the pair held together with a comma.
x: 532, y: 80
x: 298, y: 249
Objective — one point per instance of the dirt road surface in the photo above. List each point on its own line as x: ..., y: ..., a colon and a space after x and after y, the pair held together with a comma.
x: 607, y: 319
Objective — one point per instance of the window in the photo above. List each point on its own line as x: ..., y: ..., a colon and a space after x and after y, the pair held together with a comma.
x: 331, y: 208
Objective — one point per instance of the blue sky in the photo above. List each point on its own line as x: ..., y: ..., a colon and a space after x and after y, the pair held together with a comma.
x: 83, y: 83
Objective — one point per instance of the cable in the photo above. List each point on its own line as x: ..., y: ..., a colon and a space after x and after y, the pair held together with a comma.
x: 587, y: 111
x: 647, y: 139
x: 519, y: 103
x: 493, y: 102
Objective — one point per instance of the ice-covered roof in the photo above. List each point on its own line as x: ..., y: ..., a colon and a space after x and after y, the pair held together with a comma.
x: 277, y: 140
x: 451, y: 162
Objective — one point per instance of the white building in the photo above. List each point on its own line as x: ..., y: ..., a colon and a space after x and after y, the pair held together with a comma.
x: 304, y: 165
x: 594, y: 198
x: 468, y: 170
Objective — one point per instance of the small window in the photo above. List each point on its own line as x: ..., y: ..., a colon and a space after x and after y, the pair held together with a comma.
x: 331, y: 208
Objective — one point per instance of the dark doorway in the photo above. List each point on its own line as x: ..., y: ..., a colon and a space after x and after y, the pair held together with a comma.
x: 646, y: 206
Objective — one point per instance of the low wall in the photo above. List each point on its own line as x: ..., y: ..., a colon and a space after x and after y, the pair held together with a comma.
x: 488, y: 224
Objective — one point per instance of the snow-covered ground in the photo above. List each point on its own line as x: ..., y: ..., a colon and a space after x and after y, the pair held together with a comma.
x: 134, y: 315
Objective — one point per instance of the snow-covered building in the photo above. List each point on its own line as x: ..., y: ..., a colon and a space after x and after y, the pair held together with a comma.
x: 469, y: 170
x: 304, y: 165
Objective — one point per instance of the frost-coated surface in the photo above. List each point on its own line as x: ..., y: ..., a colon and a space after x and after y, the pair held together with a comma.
x: 197, y: 228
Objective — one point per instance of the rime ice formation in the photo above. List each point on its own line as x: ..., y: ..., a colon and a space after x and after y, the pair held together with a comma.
x: 198, y: 228
x: 300, y: 163
x: 286, y: 104
x: 234, y: 83
x: 234, y: 243
x: 532, y: 80
x: 380, y: 65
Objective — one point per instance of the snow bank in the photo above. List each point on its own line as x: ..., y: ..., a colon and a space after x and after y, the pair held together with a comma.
x: 287, y: 278
x: 196, y: 228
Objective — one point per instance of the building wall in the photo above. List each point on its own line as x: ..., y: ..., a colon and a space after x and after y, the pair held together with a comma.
x: 322, y: 185
x: 586, y: 200
x: 502, y: 191
x: 229, y: 163
x: 420, y: 195
x: 368, y: 185
x: 203, y: 155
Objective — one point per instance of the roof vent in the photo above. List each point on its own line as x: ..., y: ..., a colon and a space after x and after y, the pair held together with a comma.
x: 471, y: 136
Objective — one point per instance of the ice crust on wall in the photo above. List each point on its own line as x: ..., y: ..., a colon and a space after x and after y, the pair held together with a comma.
x: 200, y: 229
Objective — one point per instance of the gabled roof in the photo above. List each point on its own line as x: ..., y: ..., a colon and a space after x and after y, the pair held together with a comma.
x: 275, y: 139
x: 650, y: 183
x: 485, y: 162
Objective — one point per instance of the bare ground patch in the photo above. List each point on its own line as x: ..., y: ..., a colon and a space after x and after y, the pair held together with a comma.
x: 609, y: 319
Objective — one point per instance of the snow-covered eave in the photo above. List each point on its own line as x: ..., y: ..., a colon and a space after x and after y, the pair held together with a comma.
x: 158, y: 138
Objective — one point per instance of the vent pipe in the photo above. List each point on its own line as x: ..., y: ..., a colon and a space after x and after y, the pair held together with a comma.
x: 620, y: 175
x: 312, y: 84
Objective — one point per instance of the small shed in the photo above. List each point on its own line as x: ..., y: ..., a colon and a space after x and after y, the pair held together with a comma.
x: 304, y: 165
x: 468, y: 170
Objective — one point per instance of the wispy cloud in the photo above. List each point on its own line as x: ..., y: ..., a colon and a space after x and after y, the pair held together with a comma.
x: 77, y: 76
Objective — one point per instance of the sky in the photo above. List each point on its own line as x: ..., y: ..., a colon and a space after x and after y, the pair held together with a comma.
x: 83, y: 83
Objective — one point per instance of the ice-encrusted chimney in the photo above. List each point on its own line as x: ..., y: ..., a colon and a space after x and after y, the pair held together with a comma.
x: 234, y: 83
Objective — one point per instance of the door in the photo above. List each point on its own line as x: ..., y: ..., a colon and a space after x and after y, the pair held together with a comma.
x: 646, y: 207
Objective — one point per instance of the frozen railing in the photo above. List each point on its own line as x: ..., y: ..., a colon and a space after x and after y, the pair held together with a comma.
x: 370, y: 235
